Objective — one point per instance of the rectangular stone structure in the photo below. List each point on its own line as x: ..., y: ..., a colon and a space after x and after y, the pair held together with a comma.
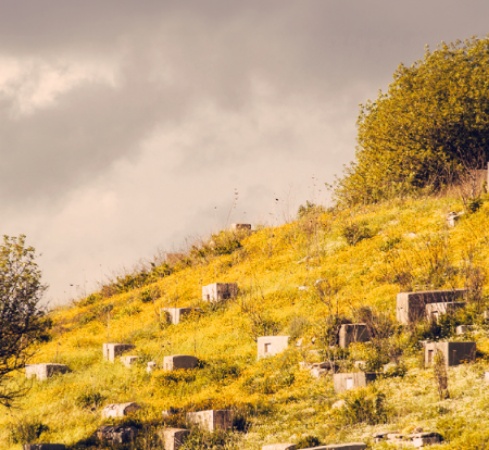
x: 217, y: 292
x: 212, y: 420
x: 44, y: 447
x: 435, y: 310
x: 271, y: 345
x: 174, y: 438
x: 286, y: 446
x: 175, y: 315
x: 114, y: 349
x: 173, y: 362
x: 119, y: 409
x: 44, y: 371
x: 346, y: 381
x: 454, y: 353
x: 353, y: 332
x: 411, y: 306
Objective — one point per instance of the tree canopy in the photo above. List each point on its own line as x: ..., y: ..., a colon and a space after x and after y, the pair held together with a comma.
x: 427, y: 130
x: 22, y: 320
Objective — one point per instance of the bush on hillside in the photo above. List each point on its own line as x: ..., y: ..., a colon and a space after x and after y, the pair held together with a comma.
x: 428, y: 130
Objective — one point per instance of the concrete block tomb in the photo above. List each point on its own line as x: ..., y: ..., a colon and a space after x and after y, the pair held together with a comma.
x: 175, y: 315
x: 435, y: 310
x: 320, y: 369
x: 173, y: 362
x: 454, y: 353
x: 44, y: 371
x: 411, y: 306
x: 217, y: 292
x: 120, y: 409
x: 212, y: 420
x: 271, y: 345
x: 112, y: 350
x: 44, y: 447
x: 346, y: 381
x: 353, y: 332
x: 129, y: 360
x: 174, y: 438
x: 286, y: 446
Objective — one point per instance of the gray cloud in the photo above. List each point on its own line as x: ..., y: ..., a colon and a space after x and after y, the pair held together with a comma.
x: 126, y: 126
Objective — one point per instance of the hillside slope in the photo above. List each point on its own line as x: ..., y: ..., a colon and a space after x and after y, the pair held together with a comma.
x: 298, y: 279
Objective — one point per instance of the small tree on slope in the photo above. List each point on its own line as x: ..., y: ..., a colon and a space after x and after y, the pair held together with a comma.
x: 22, y: 320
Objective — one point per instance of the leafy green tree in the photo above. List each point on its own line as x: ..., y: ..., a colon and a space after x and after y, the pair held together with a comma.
x: 429, y: 129
x: 22, y: 319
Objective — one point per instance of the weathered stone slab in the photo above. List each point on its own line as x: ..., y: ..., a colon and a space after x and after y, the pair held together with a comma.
x: 347, y: 446
x: 422, y: 439
x: 44, y: 447
x: 120, y: 409
x: 286, y: 446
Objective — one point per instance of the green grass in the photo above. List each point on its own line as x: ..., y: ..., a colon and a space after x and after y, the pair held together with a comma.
x: 405, y: 245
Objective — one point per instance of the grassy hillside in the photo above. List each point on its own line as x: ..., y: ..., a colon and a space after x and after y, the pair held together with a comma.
x: 296, y: 279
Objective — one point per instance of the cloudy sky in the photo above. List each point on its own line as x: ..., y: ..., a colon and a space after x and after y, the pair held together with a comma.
x: 132, y: 127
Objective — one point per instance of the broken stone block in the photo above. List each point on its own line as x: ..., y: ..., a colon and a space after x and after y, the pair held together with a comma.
x: 44, y: 447
x: 346, y: 381
x: 353, y: 332
x: 175, y: 315
x: 44, y: 371
x: 150, y: 366
x: 287, y: 446
x: 120, y: 409
x: 271, y: 345
x: 422, y: 439
x: 129, y: 361
x: 320, y: 369
x: 174, y: 438
x: 217, y: 292
x: 454, y: 353
x: 347, y: 446
x: 114, y: 349
x: 411, y: 306
x: 212, y: 420
x: 123, y: 434
x: 173, y: 362
x: 464, y: 329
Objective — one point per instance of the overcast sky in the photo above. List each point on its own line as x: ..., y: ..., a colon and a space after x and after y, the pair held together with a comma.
x: 132, y: 127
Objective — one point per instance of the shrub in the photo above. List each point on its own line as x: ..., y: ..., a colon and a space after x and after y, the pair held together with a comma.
x: 26, y: 432
x: 356, y: 232
x: 364, y: 405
